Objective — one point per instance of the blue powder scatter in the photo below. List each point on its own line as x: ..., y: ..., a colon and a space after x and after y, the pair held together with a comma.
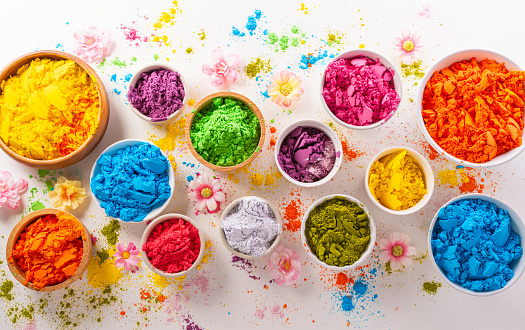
x: 127, y: 78
x: 132, y: 181
x: 258, y: 13
x: 309, y: 60
x: 359, y: 288
x: 347, y: 304
x: 190, y: 178
x: 116, y: 91
x: 236, y: 32
x: 265, y: 94
x: 60, y: 46
x: 67, y: 23
x: 460, y: 167
x: 474, y: 245
x: 113, y: 78
x: 251, y: 25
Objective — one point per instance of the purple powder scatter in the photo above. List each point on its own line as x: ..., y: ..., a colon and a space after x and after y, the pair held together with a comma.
x: 277, y: 311
x: 190, y: 324
x: 242, y: 263
x: 260, y: 312
x: 425, y: 12
x: 199, y: 281
x: 254, y: 277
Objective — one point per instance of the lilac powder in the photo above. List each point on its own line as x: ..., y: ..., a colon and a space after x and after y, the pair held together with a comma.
x: 157, y: 94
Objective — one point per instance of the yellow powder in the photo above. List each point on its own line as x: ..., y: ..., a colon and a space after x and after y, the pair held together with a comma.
x: 396, y: 181
x: 256, y: 179
x: 48, y: 109
x: 174, y: 136
x: 100, y: 275
x: 448, y: 176
x: 159, y: 281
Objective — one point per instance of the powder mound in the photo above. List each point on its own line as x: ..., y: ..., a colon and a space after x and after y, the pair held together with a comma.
x: 360, y: 91
x: 173, y: 245
x: 396, y: 181
x: 338, y: 232
x: 48, y: 109
x: 474, y: 111
x: 251, y: 226
x: 226, y: 132
x: 49, y: 250
x: 474, y: 245
x: 157, y: 94
x: 132, y: 182
x: 307, y: 154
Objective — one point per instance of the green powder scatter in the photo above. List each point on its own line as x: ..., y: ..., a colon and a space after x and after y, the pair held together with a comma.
x: 111, y: 231
x: 119, y: 63
x: 333, y: 38
x: 102, y: 255
x: 338, y: 231
x: 295, y: 29
x: 289, y: 39
x: 226, y: 132
x: 431, y: 287
x: 189, y: 50
x: 43, y: 173
x: 133, y: 59
x: 101, y: 64
x: 5, y: 290
x: 257, y: 66
x: 156, y: 57
x: 271, y: 121
x: 412, y: 70
x: 36, y: 205
x: 50, y: 185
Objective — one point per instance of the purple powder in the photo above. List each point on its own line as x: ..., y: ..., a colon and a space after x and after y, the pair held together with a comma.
x: 307, y: 154
x: 157, y: 94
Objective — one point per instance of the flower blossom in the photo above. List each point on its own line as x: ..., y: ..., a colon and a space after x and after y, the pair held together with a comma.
x: 285, y: 88
x: 285, y: 265
x: 397, y: 250
x: 91, y: 44
x: 126, y: 257
x: 207, y: 192
x: 222, y: 69
x: 409, y: 44
x: 10, y: 189
x: 67, y: 194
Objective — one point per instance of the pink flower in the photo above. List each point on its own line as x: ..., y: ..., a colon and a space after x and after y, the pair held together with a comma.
x: 409, y: 44
x: 220, y: 69
x: 285, y: 265
x: 10, y: 189
x: 126, y: 257
x: 207, y: 192
x: 285, y: 88
x: 397, y: 250
x: 91, y: 44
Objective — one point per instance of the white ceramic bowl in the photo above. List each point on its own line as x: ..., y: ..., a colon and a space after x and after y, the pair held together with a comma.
x: 152, y: 67
x: 373, y: 55
x: 240, y: 254
x: 448, y: 60
x: 516, y: 225
x: 150, y: 228
x: 428, y: 178
x: 361, y: 261
x: 325, y: 129
x: 113, y: 149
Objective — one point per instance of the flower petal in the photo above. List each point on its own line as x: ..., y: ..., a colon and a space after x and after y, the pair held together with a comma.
x: 207, y: 69
x: 211, y: 204
x: 131, y: 247
x: 233, y: 61
x: 279, y: 99
x: 219, y: 196
x: 287, y: 102
x: 285, y: 76
x: 232, y: 75
x: 120, y: 247
x: 217, y: 80
x: 119, y: 262
x: 201, y: 204
x: 217, y: 55
x: 395, y: 264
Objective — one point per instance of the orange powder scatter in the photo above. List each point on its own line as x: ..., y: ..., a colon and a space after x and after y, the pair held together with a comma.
x: 161, y: 298
x: 273, y: 130
x: 49, y: 250
x: 122, y: 313
x: 349, y: 153
x: 469, y: 184
x: 285, y: 306
x: 292, y: 216
x: 272, y: 142
x: 432, y: 153
x: 144, y: 294
x: 474, y: 111
x: 341, y: 280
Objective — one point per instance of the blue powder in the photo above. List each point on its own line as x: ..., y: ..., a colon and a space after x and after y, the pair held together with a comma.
x: 309, y: 60
x: 190, y: 178
x: 474, y: 244
x: 132, y: 181
x: 359, y: 288
x: 347, y: 304
x: 265, y: 94
x: 114, y: 78
x: 236, y: 32
x: 258, y: 13
x: 116, y: 91
x: 127, y: 78
x: 252, y: 24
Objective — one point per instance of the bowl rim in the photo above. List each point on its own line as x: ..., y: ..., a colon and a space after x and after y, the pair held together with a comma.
x: 27, y: 220
x: 310, y: 123
x: 202, y: 104
x: 371, y: 224
x: 150, y: 228
x: 103, y: 115
x: 437, y: 66
x: 243, y: 255
x: 423, y: 165
x: 154, y: 66
x: 171, y: 178
x: 516, y: 220
x: 398, y: 86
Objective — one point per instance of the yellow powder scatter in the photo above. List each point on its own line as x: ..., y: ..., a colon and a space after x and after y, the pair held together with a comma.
x: 159, y: 281
x: 173, y: 162
x: 100, y: 275
x: 174, y: 136
x: 161, y: 39
x: 396, y: 181
x: 361, y: 46
x: 167, y: 17
x: 232, y: 177
x: 303, y: 8
x: 206, y: 257
x: 191, y: 102
x: 178, y: 282
x: 448, y: 176
x: 256, y: 179
x: 48, y: 109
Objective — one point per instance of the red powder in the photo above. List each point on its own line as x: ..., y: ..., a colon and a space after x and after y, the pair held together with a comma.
x: 273, y: 130
x: 173, y: 245
x: 292, y: 215
x: 122, y: 313
x: 470, y: 186
x: 144, y: 294
x: 272, y: 142
x: 161, y: 298
x: 432, y: 153
x: 342, y: 279
x: 348, y: 152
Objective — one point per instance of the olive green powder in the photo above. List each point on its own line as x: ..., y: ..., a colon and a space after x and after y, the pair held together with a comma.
x: 5, y: 290
x: 431, y: 287
x: 111, y: 231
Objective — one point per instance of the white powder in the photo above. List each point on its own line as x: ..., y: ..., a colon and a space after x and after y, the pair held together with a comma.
x: 251, y: 226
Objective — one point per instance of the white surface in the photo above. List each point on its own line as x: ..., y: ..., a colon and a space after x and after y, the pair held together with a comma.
x: 233, y: 298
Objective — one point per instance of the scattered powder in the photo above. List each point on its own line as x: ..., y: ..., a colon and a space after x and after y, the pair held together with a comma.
x: 257, y: 66
x: 111, y: 231
x: 307, y: 61
x: 293, y: 38
x: 448, y: 176
x: 167, y: 18
x: 174, y: 136
x: 100, y: 275
x: 119, y: 63
x: 431, y: 287
x: 334, y: 38
x: 292, y: 216
x: 349, y: 153
x: 5, y: 290
x: 412, y: 70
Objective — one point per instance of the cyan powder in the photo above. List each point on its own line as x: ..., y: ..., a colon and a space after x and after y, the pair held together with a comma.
x: 226, y: 132
x: 132, y: 182
x: 474, y: 244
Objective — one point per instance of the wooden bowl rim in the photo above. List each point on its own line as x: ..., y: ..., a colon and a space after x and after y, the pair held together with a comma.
x: 103, y: 104
x: 204, y: 102
x: 15, y: 234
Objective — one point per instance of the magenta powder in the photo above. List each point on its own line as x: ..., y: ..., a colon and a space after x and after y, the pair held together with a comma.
x: 157, y: 94
x: 360, y: 91
x: 307, y: 154
x: 173, y: 245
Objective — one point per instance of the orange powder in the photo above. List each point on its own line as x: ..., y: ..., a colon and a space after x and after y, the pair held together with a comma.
x: 474, y: 111
x: 292, y: 214
x: 49, y: 250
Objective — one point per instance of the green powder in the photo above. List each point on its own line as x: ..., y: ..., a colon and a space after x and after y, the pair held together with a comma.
x: 431, y: 287
x: 102, y: 255
x: 338, y: 231
x: 110, y: 231
x: 412, y: 70
x: 37, y: 205
x: 225, y: 133
x: 43, y: 173
x: 5, y: 290
x: 257, y: 66
x: 119, y: 63
x: 50, y: 185
x: 292, y: 38
x: 156, y: 57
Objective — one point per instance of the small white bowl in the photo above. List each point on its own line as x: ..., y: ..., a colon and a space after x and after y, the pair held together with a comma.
x: 428, y: 178
x: 113, y: 149
x: 361, y: 261
x: 152, y: 67
x: 516, y: 225
x: 479, y: 54
x: 325, y: 129
x: 150, y: 228
x: 240, y: 254
x: 372, y: 55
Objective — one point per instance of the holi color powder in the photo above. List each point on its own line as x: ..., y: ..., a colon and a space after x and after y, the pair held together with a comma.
x: 292, y: 215
x: 256, y: 67
x: 431, y: 287
x: 308, y: 60
x: 250, y: 27
x: 292, y: 38
x: 334, y: 38
x: 413, y: 69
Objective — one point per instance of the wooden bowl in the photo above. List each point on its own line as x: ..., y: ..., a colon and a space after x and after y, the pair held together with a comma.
x: 202, y: 105
x: 103, y: 118
x: 13, y: 238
